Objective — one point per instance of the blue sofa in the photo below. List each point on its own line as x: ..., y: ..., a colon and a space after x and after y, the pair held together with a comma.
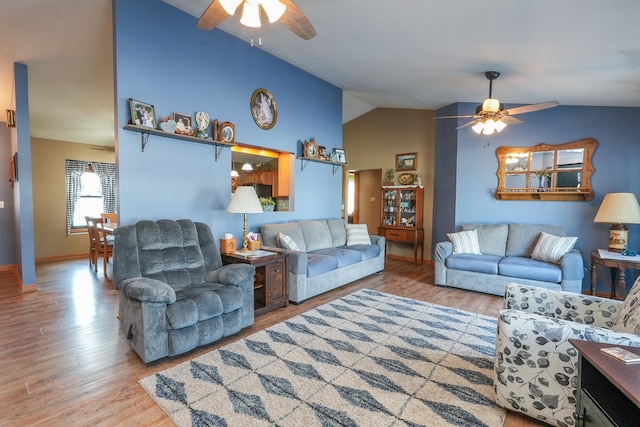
x: 325, y: 260
x: 506, y: 257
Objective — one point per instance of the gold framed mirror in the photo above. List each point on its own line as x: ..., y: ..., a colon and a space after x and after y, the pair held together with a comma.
x: 546, y: 172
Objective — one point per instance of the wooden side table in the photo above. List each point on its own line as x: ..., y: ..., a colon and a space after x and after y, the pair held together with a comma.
x: 271, y: 283
x: 608, y: 390
x: 620, y: 264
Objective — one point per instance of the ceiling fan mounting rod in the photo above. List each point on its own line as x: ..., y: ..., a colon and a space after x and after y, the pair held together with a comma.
x: 491, y: 75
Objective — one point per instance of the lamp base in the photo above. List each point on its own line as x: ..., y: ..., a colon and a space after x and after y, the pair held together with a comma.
x: 618, y: 238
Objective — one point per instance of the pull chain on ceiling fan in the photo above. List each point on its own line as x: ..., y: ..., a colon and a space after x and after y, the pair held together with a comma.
x: 491, y: 116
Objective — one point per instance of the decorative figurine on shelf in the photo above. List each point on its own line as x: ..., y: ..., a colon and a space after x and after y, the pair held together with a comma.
x: 167, y: 125
x: 202, y: 119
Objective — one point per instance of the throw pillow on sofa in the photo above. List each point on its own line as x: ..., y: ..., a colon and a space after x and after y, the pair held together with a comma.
x: 628, y: 319
x: 550, y: 248
x: 286, y: 242
x: 465, y: 242
x: 357, y: 234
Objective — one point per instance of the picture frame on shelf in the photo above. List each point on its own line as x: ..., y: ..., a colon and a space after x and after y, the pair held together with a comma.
x: 142, y: 113
x: 322, y: 152
x: 339, y: 156
x: 406, y: 161
x: 227, y: 132
x: 311, y: 149
x: 264, y: 109
x: 184, y: 123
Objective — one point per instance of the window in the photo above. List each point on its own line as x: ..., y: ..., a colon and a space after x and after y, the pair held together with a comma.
x: 91, y: 190
x: 90, y: 201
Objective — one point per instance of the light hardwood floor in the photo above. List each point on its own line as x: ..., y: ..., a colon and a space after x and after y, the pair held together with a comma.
x: 63, y: 360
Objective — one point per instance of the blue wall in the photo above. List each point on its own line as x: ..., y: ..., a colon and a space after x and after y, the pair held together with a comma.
x: 23, y: 190
x: 188, y: 70
x: 615, y: 161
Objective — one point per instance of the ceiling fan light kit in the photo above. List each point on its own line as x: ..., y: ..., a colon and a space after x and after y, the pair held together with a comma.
x: 284, y: 11
x: 491, y: 117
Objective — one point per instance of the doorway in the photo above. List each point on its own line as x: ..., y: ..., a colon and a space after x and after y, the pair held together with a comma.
x: 364, y: 198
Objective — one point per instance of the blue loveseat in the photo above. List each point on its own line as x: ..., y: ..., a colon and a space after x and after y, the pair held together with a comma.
x: 506, y: 257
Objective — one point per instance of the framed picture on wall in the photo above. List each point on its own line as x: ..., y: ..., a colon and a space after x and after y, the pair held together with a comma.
x: 142, y: 114
x: 264, y: 109
x: 406, y: 161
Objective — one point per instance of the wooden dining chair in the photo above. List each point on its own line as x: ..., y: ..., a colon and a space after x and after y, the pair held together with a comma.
x: 103, y: 243
x: 92, y: 240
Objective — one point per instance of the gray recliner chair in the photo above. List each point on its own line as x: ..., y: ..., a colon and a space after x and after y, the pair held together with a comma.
x: 175, y: 294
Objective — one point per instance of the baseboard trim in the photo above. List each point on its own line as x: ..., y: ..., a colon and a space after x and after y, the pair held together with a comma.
x: 12, y: 268
x: 62, y: 257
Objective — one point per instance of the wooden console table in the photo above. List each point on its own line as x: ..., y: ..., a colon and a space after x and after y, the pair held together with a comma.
x: 620, y: 264
x: 608, y: 389
x: 271, y: 283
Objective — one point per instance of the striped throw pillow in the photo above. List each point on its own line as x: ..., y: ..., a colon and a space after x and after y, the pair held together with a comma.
x: 286, y: 242
x: 465, y: 242
x: 357, y: 234
x: 550, y: 248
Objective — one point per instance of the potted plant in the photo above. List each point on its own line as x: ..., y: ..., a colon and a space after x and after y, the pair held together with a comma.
x: 389, y: 176
x: 268, y: 205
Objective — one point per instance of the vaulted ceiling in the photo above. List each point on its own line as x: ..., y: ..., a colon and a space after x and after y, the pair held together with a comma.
x: 399, y: 54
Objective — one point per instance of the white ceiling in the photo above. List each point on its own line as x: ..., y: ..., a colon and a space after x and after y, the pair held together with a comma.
x: 397, y: 54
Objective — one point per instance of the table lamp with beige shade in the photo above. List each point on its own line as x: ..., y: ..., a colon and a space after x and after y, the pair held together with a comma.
x: 245, y: 201
x: 619, y: 209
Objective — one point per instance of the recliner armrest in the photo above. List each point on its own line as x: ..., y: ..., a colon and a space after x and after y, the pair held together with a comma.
x: 144, y: 289
x: 232, y: 274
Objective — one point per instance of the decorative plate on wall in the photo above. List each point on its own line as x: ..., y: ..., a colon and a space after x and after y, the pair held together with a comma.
x: 406, y: 179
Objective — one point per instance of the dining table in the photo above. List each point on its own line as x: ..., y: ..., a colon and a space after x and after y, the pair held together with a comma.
x: 107, y: 228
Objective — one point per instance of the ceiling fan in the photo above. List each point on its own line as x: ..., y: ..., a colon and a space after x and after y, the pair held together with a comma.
x: 491, y: 116
x: 284, y: 10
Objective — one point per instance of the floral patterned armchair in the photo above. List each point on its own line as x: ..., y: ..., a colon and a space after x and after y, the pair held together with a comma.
x: 536, y: 366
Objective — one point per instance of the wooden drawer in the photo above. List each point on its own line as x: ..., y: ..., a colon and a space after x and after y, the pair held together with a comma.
x: 276, y: 291
x: 395, y: 235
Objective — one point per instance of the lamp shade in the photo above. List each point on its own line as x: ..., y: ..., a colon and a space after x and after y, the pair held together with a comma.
x: 245, y: 200
x: 619, y: 208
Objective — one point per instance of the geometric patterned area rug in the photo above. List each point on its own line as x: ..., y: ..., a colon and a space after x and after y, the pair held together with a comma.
x: 367, y: 359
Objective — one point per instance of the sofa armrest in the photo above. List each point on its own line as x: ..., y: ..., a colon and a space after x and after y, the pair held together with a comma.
x: 232, y: 274
x: 579, y: 308
x: 144, y: 289
x: 442, y: 251
x: 297, y: 259
x: 572, y: 265
x: 377, y: 240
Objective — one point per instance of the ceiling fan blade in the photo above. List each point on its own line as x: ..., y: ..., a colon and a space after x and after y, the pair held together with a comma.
x: 454, y: 117
x: 212, y: 16
x: 296, y: 21
x: 511, y: 120
x: 532, y: 107
x: 469, y: 123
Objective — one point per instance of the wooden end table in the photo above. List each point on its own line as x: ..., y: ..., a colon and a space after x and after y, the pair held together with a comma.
x: 271, y: 282
x: 620, y: 264
x: 608, y: 389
